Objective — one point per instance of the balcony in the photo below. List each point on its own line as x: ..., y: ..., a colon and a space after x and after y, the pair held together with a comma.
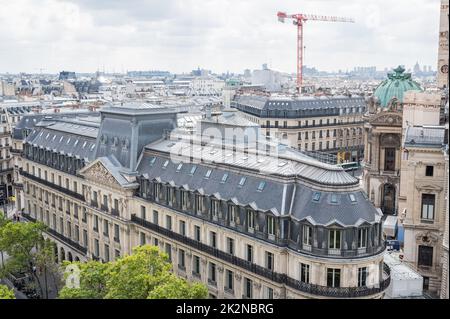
x: 343, y: 292
x: 51, y: 185
x: 104, y: 208
x: 57, y: 235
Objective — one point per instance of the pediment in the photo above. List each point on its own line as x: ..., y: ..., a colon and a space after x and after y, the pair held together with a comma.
x: 429, y: 187
x: 387, y: 119
x: 98, y: 173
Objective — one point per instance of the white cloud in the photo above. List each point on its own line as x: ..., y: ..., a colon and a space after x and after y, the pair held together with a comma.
x: 179, y: 35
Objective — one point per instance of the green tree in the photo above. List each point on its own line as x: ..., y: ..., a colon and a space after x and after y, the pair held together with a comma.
x: 20, y: 241
x: 3, y: 222
x: 144, y: 274
x: 173, y: 287
x: 93, y: 277
x: 6, y: 293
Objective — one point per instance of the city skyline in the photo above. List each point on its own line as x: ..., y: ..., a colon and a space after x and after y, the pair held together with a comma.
x: 178, y: 36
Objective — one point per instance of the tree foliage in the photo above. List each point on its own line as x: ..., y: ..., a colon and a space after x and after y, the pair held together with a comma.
x: 6, y: 293
x: 146, y: 274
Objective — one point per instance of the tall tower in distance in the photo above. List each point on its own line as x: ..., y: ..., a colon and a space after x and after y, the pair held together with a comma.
x: 442, y: 71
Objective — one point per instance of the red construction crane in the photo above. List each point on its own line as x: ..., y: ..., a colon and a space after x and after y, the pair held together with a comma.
x: 299, y: 19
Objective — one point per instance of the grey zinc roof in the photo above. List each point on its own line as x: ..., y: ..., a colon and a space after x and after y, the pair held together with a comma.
x: 281, y: 103
x: 324, y: 212
x: 281, y: 198
x: 425, y: 136
x: 271, y: 198
x: 287, y: 163
x: 73, y: 143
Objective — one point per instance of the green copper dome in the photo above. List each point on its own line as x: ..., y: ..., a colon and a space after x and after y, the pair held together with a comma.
x: 395, y: 86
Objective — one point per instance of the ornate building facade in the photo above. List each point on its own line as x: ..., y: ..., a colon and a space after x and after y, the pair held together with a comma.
x: 331, y: 125
x: 243, y: 221
x: 383, y: 139
x: 443, y: 47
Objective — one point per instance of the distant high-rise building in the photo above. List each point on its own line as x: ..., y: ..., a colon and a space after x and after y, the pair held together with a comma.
x: 442, y: 73
x: 66, y: 75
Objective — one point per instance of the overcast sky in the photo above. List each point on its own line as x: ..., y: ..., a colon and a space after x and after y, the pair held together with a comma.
x: 221, y: 35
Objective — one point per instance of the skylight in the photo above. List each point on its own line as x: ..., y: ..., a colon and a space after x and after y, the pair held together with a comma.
x: 316, y: 197
x: 166, y: 163
x: 208, y: 173
x: 152, y: 161
x: 179, y: 167
x: 224, y: 177
x: 352, y: 197
x: 333, y: 198
x: 261, y: 186
x: 193, y: 169
x: 242, y: 181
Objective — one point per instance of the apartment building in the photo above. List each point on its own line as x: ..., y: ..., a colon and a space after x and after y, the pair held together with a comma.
x: 326, y: 124
x: 246, y: 222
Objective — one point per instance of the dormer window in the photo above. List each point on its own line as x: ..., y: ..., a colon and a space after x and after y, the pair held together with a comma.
x: 232, y: 214
x: 271, y: 226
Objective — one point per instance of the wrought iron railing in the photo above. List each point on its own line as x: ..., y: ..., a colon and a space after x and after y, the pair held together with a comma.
x: 51, y: 185
x: 61, y: 237
x: 335, y: 292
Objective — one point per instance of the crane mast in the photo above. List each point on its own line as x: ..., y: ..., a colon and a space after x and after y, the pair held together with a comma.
x: 298, y: 20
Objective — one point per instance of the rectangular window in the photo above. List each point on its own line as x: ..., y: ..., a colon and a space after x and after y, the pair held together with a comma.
x: 197, y: 233
x: 155, y: 217
x: 232, y: 214
x: 181, y: 259
x: 269, y: 260
x: 169, y: 251
x: 143, y: 212
x: 334, y: 240
x: 425, y: 256
x: 229, y: 283
x: 96, y: 223
x: 96, y: 248
x: 333, y: 277
x: 142, y: 238
x: 304, y: 273
x: 107, y: 258
x: 269, y: 293
x: 196, y: 265
x: 250, y: 253
x: 248, y: 288
x: 169, y: 222
x: 212, y: 272
x: 85, y: 238
x: 362, y: 237
x: 250, y: 219
x: 116, y: 233
x: 230, y: 246
x: 213, y: 239
x: 362, y: 277
x: 307, y: 235
x: 105, y: 228
x: 428, y: 201
x: 429, y: 170
x: 389, y: 159
x: 215, y: 208
x: 182, y: 227
x: 199, y: 203
x: 270, y: 225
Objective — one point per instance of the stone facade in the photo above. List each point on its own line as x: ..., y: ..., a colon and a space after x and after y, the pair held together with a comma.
x: 98, y: 210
